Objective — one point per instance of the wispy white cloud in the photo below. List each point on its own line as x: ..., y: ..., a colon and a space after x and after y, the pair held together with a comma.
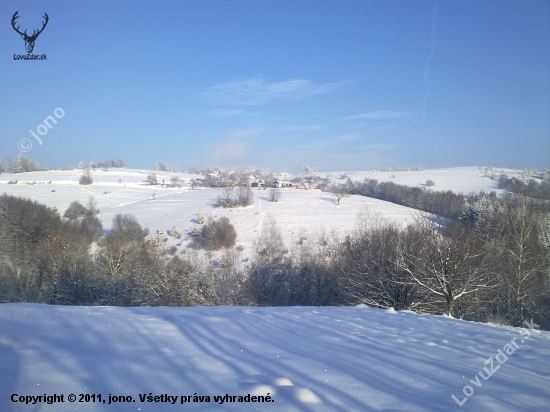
x: 229, y: 150
x: 313, y: 128
x: 347, y: 137
x: 260, y: 91
x: 380, y: 114
x: 433, y: 34
x: 328, y: 154
x: 332, y: 154
x: 225, y: 112
x: 379, y: 147
x: 245, y: 133
x: 319, y: 145
x: 235, y: 147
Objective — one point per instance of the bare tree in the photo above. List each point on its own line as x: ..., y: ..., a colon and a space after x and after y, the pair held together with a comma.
x: 266, y: 276
x: 339, y: 192
x: 176, y: 181
x: 311, y: 279
x: 125, y: 262
x: 245, y: 197
x: 86, y: 178
x: 75, y: 211
x: 127, y: 228
x: 369, y: 262
x: 152, y: 179
x: 228, y: 277
x: 92, y: 206
x: 449, y: 265
x: 275, y: 195
x: 162, y: 167
x: 227, y: 198
x: 523, y: 259
x: 177, y: 283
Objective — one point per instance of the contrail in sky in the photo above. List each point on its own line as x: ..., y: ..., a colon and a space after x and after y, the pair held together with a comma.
x: 428, y: 61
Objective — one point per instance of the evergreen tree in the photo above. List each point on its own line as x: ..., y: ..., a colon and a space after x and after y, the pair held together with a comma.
x: 21, y: 164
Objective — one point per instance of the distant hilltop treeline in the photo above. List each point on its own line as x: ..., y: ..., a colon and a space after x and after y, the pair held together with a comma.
x: 23, y: 164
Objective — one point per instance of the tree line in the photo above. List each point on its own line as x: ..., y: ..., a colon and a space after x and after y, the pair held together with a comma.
x: 443, y: 203
x: 491, y: 264
x: 23, y: 164
x: 530, y: 188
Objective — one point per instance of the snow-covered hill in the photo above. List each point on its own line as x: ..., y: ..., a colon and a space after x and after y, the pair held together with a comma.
x: 305, y: 358
x: 124, y: 191
x: 458, y: 179
x: 299, y: 212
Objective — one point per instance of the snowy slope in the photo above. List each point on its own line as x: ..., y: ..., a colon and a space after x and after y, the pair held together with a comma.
x: 299, y: 211
x: 306, y: 358
x: 458, y: 179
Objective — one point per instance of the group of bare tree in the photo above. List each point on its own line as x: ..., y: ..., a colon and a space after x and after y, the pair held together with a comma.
x: 530, y: 188
x: 69, y: 261
x: 302, y: 276
x: 109, y: 163
x: 491, y: 264
x: 443, y: 203
x: 21, y: 164
x: 234, y: 197
x: 42, y: 257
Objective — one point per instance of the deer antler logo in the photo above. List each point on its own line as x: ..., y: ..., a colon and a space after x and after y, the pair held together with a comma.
x: 29, y: 40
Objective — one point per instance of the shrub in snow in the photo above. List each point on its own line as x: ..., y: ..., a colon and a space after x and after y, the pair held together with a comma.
x: 86, y: 178
x: 275, y: 195
x: 175, y: 232
x: 176, y: 181
x: 216, y: 234
x: 152, y: 179
x: 155, y: 242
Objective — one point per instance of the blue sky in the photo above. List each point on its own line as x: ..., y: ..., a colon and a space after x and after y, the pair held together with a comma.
x: 338, y: 85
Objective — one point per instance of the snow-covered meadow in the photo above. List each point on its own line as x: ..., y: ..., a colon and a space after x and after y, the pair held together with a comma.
x: 299, y: 212
x: 306, y: 359
x: 457, y: 179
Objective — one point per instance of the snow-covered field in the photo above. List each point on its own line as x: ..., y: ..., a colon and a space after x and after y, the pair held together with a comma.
x: 305, y: 358
x: 458, y: 179
x: 299, y: 212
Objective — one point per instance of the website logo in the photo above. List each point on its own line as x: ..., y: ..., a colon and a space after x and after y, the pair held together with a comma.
x: 29, y: 40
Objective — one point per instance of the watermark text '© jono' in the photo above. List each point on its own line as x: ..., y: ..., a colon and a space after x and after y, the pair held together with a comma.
x: 42, y: 129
